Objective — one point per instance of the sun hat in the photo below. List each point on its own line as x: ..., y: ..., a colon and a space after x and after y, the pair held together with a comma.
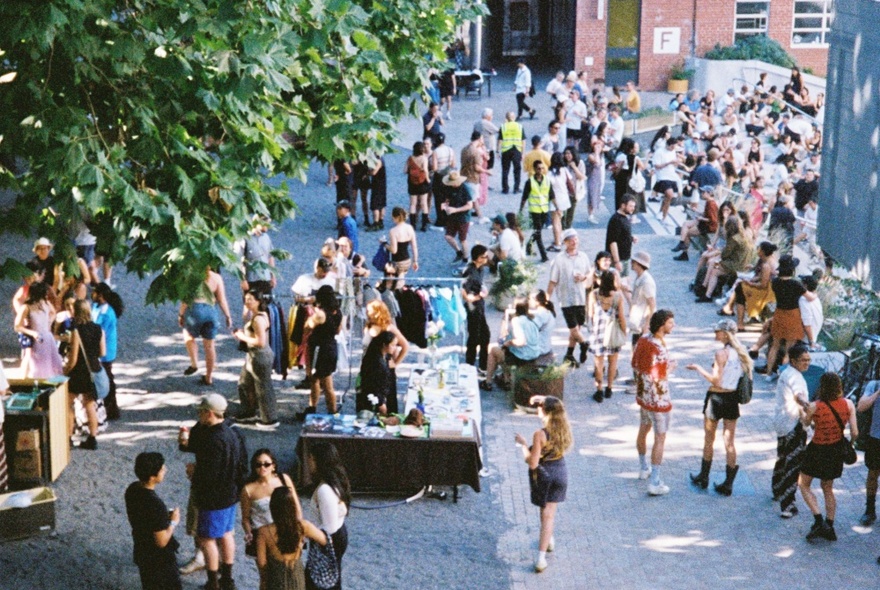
x: 569, y: 233
x: 43, y: 242
x: 213, y: 402
x: 643, y: 258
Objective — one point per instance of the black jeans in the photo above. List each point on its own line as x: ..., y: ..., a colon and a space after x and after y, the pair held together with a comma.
x: 160, y: 574
x: 538, y: 221
x: 521, y: 106
x: 478, y: 336
x: 110, y: 403
x: 511, y: 157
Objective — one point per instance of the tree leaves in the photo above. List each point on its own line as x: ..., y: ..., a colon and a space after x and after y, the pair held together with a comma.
x: 160, y: 122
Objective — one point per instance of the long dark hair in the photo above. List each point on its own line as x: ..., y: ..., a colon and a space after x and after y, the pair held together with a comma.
x: 544, y: 301
x: 329, y: 470
x: 556, y: 162
x: 373, y: 354
x: 513, y: 223
x: 111, y: 297
x: 606, y: 284
x: 325, y: 298
x: 37, y: 292
x: 284, y: 516
x: 661, y: 133
x: 262, y: 307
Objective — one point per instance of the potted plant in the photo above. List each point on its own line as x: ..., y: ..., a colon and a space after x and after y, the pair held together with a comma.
x: 514, y: 278
x: 679, y: 76
x: 532, y: 380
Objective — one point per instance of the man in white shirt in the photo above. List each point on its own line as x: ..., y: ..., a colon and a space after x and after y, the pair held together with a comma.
x: 553, y: 88
x: 522, y: 85
x: 489, y: 131
x: 508, y: 246
x: 615, y: 127
x: 306, y: 285
x: 568, y: 275
x: 811, y: 312
x: 666, y: 162
x: 575, y: 115
x: 791, y: 401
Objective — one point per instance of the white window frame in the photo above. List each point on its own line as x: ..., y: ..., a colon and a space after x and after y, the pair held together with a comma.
x: 827, y: 16
x: 736, y: 17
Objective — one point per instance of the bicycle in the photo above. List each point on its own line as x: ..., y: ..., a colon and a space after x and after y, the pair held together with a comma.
x: 857, y: 371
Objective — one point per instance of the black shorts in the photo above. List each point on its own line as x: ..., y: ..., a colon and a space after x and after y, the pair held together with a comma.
x: 574, y: 133
x: 661, y: 186
x: 721, y: 406
x: 872, y: 453
x: 512, y: 360
x: 575, y: 316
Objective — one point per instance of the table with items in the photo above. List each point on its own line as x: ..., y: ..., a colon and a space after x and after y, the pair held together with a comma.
x: 403, y: 458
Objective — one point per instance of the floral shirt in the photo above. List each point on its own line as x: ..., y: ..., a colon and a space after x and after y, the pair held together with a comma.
x: 650, y: 362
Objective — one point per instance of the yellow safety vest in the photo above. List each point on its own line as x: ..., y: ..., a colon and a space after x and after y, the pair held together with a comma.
x: 511, y: 136
x: 539, y: 195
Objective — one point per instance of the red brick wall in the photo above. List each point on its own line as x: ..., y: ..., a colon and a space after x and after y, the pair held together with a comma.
x: 590, y: 38
x: 780, y: 24
x: 654, y: 69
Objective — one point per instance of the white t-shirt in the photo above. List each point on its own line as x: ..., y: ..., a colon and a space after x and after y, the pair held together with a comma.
x: 812, y: 316
x: 791, y: 383
x: 662, y: 157
x: 508, y: 242
x: 330, y: 509
x: 307, y: 284
x: 562, y: 270
x: 553, y: 88
x: 575, y: 113
x: 616, y: 125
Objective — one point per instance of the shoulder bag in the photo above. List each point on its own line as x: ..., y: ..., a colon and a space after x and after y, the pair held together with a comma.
x: 637, y: 182
x: 847, y: 452
x: 615, y: 336
x: 321, y: 565
x: 744, y: 388
x: 100, y: 380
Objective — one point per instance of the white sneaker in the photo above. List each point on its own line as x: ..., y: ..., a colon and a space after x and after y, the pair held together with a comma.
x: 540, y: 565
x: 193, y: 565
x: 659, y: 490
x: 485, y: 220
x: 644, y: 473
x: 592, y: 219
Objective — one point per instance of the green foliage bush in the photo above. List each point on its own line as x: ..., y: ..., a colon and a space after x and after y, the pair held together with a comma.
x: 757, y: 47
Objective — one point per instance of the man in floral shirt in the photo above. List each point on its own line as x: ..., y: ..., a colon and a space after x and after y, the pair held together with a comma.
x: 651, y: 366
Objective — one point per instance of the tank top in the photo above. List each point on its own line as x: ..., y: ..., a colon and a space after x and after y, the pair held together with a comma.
x: 827, y: 431
x: 251, y: 327
x: 732, y: 371
x: 402, y: 252
x: 325, y: 334
x: 415, y: 172
x: 260, y: 515
x: 444, y: 155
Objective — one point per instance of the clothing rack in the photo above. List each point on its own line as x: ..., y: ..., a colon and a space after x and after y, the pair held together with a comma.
x: 431, y: 281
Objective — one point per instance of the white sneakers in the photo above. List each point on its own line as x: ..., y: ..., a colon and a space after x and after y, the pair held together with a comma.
x: 540, y: 565
x: 644, y: 473
x: 193, y: 565
x: 658, y: 490
x: 592, y: 219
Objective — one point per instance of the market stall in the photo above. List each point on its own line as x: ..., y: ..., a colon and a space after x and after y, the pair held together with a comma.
x: 394, y: 458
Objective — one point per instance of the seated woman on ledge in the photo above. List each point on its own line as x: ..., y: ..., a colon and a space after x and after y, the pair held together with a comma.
x: 520, y: 342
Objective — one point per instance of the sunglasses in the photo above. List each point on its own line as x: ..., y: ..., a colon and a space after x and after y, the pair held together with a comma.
x: 266, y: 464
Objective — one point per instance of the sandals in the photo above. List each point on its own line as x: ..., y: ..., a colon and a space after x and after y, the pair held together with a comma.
x: 724, y: 312
x: 204, y: 381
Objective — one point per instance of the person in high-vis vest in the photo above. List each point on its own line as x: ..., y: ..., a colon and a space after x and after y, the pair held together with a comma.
x: 538, y: 194
x: 513, y: 145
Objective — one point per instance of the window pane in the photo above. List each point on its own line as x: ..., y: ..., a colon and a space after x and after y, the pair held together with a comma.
x: 745, y: 8
x: 809, y: 7
x: 808, y: 23
x: 519, y: 16
x: 806, y: 39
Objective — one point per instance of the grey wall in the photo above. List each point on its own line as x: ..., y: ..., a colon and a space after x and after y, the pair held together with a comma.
x: 849, y: 216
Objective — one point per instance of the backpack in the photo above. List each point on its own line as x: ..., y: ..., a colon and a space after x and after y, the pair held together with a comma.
x: 381, y: 258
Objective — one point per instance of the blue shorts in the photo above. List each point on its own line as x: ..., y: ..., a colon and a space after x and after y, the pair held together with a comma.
x: 213, y: 524
x: 201, y: 321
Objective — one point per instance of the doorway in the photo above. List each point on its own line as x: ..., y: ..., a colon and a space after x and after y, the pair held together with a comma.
x: 622, y: 49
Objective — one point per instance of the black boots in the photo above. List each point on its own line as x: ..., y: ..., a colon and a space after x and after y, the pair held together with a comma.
x: 425, y: 222
x: 413, y: 219
x: 726, y: 488
x: 702, y: 480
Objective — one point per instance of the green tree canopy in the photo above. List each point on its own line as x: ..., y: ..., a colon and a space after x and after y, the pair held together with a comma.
x: 159, y: 121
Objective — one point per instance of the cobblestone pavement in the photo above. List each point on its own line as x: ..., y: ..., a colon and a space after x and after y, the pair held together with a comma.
x: 609, y: 533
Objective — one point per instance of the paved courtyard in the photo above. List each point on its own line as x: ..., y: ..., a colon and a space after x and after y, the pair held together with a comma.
x: 609, y: 533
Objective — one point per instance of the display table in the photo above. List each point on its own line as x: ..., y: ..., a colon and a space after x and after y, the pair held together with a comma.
x: 49, y: 417
x: 383, y: 462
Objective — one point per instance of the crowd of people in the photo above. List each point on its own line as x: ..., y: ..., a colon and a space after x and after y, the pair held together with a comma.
x: 717, y: 164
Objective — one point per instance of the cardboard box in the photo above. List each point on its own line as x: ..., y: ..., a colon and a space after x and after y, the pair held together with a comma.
x: 27, y: 465
x: 36, y: 519
x: 28, y: 440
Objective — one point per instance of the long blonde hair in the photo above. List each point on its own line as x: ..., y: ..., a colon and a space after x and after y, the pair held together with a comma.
x: 559, y: 435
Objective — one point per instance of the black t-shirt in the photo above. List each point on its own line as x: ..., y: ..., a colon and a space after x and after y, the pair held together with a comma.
x: 48, y: 268
x: 788, y: 293
x: 458, y: 197
x: 473, y: 284
x: 221, y: 465
x: 782, y: 216
x: 620, y: 231
x: 147, y: 514
x: 804, y: 191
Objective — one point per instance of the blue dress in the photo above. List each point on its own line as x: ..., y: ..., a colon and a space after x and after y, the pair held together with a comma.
x: 549, y: 482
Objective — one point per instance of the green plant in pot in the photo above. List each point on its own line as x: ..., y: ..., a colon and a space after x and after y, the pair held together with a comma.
x: 679, y: 76
x: 514, y: 279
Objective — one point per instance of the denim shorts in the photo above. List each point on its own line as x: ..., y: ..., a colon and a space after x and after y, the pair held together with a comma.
x: 213, y: 524
x: 201, y: 321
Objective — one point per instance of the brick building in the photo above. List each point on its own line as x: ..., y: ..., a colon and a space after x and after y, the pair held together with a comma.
x: 618, y: 40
